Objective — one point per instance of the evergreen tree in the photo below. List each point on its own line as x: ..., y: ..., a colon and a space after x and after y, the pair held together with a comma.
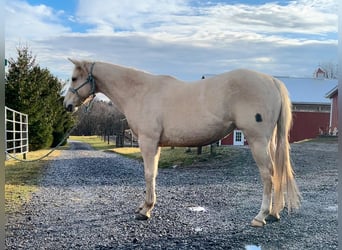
x: 36, y: 92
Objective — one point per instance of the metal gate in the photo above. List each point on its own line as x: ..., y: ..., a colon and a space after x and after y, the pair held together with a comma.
x: 16, y: 130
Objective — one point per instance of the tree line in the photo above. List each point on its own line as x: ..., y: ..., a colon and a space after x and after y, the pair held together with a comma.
x: 103, y: 118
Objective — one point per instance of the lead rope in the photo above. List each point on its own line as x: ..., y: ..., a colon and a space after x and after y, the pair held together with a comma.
x: 87, y: 108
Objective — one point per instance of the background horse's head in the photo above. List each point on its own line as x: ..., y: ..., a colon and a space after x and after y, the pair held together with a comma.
x: 82, y: 85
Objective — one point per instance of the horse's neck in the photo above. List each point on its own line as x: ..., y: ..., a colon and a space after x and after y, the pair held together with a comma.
x: 121, y: 84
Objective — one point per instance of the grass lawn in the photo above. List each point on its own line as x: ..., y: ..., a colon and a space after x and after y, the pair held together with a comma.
x: 178, y: 156
x: 21, y: 179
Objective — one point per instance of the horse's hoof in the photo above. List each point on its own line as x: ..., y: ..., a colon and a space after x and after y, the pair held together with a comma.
x: 258, y: 223
x: 272, y: 218
x: 139, y: 216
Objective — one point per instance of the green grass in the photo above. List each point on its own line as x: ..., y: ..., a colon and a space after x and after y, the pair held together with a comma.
x: 95, y: 141
x: 178, y: 156
x: 130, y: 152
x: 21, y: 179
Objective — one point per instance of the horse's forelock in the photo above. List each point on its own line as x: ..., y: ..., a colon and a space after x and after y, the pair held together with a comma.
x: 81, y: 68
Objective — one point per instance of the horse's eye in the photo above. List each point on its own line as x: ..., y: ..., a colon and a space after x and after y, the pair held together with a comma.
x: 73, y: 79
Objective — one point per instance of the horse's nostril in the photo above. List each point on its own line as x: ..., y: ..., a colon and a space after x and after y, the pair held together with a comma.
x: 70, y: 108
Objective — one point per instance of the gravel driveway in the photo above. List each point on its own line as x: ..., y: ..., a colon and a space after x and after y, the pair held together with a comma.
x: 87, y: 200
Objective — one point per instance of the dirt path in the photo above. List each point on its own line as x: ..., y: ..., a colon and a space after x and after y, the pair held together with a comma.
x: 87, y: 199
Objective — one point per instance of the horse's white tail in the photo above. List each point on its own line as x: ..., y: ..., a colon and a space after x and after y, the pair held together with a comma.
x: 283, y: 178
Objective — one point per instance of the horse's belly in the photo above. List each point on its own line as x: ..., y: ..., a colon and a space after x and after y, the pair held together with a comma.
x: 194, y: 135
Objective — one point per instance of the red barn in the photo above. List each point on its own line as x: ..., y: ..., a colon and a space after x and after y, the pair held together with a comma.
x: 333, y: 123
x: 309, y: 120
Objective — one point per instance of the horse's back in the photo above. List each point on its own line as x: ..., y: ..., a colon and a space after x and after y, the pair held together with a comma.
x: 251, y: 99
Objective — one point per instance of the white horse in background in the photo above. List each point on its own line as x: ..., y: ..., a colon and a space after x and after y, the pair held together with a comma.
x: 164, y: 111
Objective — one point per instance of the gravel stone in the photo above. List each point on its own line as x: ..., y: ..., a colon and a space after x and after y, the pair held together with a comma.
x: 87, y: 199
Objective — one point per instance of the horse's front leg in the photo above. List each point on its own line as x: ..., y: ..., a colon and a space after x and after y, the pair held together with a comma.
x: 150, y: 153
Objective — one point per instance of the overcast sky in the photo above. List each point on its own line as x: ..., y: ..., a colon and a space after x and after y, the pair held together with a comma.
x: 183, y: 38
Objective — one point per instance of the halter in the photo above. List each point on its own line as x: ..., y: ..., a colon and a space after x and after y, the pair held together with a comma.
x: 90, y: 79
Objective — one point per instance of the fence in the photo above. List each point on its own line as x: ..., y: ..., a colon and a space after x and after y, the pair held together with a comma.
x: 16, y: 127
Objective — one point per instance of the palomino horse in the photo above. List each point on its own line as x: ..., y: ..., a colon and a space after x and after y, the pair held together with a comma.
x: 164, y: 111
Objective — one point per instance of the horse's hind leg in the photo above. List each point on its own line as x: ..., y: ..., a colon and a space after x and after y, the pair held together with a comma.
x: 262, y: 157
x: 150, y: 153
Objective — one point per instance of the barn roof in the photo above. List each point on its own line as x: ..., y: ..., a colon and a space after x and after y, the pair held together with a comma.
x: 310, y: 90
x: 332, y: 92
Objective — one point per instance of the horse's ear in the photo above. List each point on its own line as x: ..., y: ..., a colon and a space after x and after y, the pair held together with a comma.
x: 75, y: 62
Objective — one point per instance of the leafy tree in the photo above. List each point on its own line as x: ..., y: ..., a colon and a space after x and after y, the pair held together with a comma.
x: 36, y: 92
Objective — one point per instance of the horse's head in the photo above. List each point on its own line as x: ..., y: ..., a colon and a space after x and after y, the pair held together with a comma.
x: 82, y: 85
